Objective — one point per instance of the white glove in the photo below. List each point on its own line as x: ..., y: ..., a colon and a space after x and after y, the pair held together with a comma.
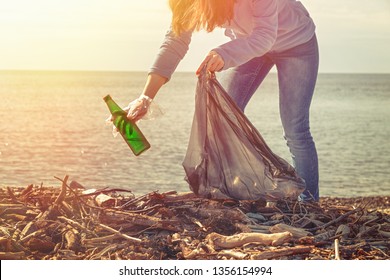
x: 141, y: 108
x: 138, y: 108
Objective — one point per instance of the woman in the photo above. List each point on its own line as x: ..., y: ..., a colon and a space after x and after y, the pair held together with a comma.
x: 263, y: 33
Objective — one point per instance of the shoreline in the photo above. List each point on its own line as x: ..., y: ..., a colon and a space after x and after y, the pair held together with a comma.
x: 70, y: 223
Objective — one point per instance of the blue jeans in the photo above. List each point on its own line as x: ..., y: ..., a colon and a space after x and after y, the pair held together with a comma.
x: 297, y: 74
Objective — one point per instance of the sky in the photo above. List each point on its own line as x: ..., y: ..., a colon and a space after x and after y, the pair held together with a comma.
x: 124, y: 35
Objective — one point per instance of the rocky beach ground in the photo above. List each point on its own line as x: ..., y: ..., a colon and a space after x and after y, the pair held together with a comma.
x: 68, y: 222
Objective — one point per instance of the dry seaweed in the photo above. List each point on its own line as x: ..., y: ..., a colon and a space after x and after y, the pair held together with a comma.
x: 71, y: 222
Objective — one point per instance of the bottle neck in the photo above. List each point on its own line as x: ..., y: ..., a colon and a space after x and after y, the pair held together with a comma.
x: 112, y: 106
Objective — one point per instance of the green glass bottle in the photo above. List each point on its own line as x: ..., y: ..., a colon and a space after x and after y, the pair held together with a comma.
x: 128, y: 129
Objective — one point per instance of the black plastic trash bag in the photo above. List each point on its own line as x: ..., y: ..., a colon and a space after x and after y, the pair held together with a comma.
x: 227, y: 157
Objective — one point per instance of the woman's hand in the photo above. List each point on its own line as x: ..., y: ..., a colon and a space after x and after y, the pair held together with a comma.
x: 138, y: 108
x: 135, y: 111
x: 213, y: 63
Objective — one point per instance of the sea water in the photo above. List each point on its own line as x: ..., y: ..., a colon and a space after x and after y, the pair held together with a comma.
x: 52, y: 124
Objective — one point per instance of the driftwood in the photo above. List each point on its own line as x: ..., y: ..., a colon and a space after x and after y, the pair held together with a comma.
x: 385, y: 234
x: 241, y: 239
x: 337, y: 249
x: 343, y: 231
x: 12, y: 256
x: 296, y: 232
x: 73, y: 222
x: 279, y: 253
x: 338, y: 219
x: 233, y: 254
x: 116, y: 232
x: 113, y: 216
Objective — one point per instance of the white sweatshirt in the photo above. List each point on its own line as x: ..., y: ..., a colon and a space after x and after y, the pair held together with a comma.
x: 258, y: 26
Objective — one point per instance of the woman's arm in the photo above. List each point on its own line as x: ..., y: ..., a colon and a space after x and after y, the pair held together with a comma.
x: 171, y: 52
x: 139, y: 107
x: 153, y: 84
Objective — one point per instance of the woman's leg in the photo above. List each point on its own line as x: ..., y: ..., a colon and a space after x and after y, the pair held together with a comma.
x: 242, y: 81
x: 297, y: 74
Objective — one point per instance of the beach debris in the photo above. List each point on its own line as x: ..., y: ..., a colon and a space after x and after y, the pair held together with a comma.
x: 241, y: 239
x: 337, y: 249
x: 74, y: 222
x: 295, y: 232
x: 282, y: 253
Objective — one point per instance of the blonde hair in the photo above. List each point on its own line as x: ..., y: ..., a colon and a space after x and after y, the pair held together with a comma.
x: 195, y: 15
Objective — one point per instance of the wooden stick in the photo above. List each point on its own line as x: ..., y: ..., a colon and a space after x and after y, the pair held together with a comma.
x: 342, y: 217
x: 78, y: 197
x: 343, y: 231
x: 141, y: 220
x: 97, y: 240
x: 74, y: 224
x: 112, y: 247
x: 120, y: 234
x: 368, y: 230
x: 336, y: 249
x: 27, y: 190
x: 238, y: 240
x: 324, y: 236
x: 296, y: 232
x: 29, y: 227
x: 31, y: 235
x: 379, y: 243
x: 181, y: 197
x: 233, y: 214
x: 134, y: 201
x: 278, y: 253
x: 385, y: 234
x: 193, y: 254
x: 12, y: 256
x: 5, y: 206
x: 62, y: 194
x: 233, y: 254
x: 145, y: 209
x: 72, y: 239
x: 259, y: 228
x: 13, y: 208
x: 12, y: 195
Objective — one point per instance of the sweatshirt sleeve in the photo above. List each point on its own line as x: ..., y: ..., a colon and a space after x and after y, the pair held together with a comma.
x: 259, y: 42
x: 172, y: 51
